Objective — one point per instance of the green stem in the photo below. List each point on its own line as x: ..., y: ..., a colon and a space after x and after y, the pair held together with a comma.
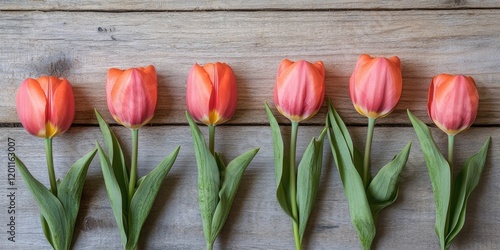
x: 211, y: 139
x: 50, y: 165
x: 293, y: 185
x: 133, y: 166
x: 210, y: 245
x: 451, y: 143
x: 368, y: 148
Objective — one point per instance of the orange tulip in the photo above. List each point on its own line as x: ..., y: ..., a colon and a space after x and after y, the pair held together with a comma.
x: 375, y: 85
x: 131, y: 95
x: 300, y: 89
x: 453, y: 102
x: 45, y: 106
x: 211, y: 94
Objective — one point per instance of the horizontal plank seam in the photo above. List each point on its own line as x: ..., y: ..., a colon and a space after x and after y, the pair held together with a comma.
x: 393, y: 125
x: 251, y: 10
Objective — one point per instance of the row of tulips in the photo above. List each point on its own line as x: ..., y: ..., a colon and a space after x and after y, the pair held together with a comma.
x: 46, y: 109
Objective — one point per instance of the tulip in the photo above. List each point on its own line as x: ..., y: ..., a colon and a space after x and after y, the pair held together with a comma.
x: 453, y: 102
x: 300, y: 89
x: 211, y: 93
x: 375, y: 85
x: 45, y: 106
x: 131, y: 95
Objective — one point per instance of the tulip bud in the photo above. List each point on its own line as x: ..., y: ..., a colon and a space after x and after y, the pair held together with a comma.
x: 300, y: 89
x: 211, y: 94
x: 45, y: 106
x: 453, y: 102
x: 131, y: 95
x: 375, y: 85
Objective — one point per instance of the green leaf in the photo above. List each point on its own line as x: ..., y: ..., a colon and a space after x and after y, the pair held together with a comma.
x: 308, y: 175
x: 343, y: 151
x: 50, y: 208
x: 439, y: 173
x: 46, y: 230
x: 208, y: 178
x: 114, y: 194
x: 145, y: 196
x: 116, y: 157
x: 70, y: 191
x: 220, y: 164
x: 465, y: 182
x: 282, y: 173
x: 383, y: 189
x: 231, y: 181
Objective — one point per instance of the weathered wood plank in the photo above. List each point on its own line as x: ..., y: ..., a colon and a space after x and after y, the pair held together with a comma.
x: 82, y: 46
x: 158, y: 5
x: 256, y: 220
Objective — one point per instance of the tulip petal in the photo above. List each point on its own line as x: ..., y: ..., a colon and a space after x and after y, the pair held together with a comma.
x: 61, y: 107
x: 31, y: 105
x: 299, y: 90
x: 375, y: 85
x: 113, y: 75
x: 225, y: 94
x: 198, y: 94
x: 453, y: 102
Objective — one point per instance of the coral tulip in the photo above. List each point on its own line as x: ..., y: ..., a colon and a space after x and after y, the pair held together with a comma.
x: 45, y: 106
x: 300, y: 89
x: 211, y: 94
x: 375, y: 85
x: 453, y: 102
x: 131, y: 95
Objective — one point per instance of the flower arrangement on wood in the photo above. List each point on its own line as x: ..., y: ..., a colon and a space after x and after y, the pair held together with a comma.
x: 46, y: 108
x: 452, y: 106
x: 375, y: 87
x: 298, y: 95
x: 211, y: 99
x: 131, y: 97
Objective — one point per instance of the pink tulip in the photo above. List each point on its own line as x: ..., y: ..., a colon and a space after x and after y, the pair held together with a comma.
x: 211, y: 95
x: 45, y: 106
x: 131, y: 95
x: 299, y: 89
x: 453, y: 102
x: 375, y: 85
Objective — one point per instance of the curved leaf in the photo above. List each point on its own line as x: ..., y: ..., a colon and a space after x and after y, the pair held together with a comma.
x: 383, y: 189
x: 465, y: 182
x: 144, y: 197
x: 282, y: 173
x: 70, y: 191
x: 354, y: 190
x: 50, y: 208
x: 308, y: 175
x: 231, y: 181
x: 439, y: 173
x: 114, y: 194
x: 115, y: 157
x: 208, y: 178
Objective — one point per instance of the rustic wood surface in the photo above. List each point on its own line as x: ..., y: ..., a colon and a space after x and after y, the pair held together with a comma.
x: 80, y: 40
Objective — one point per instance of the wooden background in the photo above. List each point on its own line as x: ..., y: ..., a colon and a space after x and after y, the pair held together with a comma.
x: 80, y: 40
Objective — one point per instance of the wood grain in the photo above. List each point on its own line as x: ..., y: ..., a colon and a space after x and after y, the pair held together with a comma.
x: 82, y: 46
x: 256, y: 220
x: 169, y: 5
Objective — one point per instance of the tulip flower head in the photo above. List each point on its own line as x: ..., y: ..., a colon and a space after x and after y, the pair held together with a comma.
x: 45, y: 106
x: 375, y: 85
x: 300, y: 89
x: 211, y: 94
x: 131, y: 95
x: 453, y: 102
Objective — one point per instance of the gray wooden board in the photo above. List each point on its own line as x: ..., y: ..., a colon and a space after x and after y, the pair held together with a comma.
x: 82, y: 46
x: 256, y: 220
x: 162, y: 5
